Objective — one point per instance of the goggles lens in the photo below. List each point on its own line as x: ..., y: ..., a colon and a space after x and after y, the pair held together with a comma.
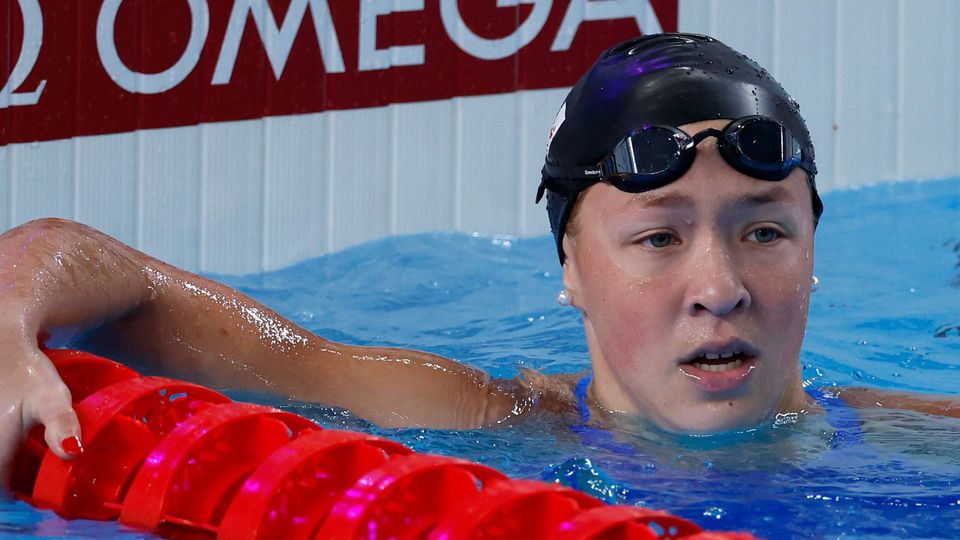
x: 651, y: 150
x: 760, y: 147
x: 654, y: 156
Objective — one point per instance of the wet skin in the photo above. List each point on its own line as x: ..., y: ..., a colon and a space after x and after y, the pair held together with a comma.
x: 716, y: 264
x: 712, y: 264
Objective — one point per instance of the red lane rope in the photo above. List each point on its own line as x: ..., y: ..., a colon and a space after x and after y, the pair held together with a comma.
x: 173, y: 457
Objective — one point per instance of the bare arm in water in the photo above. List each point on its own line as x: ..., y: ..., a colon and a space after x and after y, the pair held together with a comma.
x: 65, y: 279
x: 872, y: 398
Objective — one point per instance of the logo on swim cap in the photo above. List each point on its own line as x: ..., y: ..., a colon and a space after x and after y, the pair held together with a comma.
x: 557, y: 122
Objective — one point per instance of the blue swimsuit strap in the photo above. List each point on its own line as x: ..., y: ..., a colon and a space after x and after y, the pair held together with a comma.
x: 841, y: 416
x: 592, y: 436
x: 581, y: 392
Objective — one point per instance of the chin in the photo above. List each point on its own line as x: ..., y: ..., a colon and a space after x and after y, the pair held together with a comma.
x: 709, y: 420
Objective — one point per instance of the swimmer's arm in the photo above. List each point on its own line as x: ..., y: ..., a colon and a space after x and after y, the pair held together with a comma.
x: 72, y: 282
x: 872, y: 398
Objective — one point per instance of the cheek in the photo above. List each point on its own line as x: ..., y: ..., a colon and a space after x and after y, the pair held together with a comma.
x: 783, y: 301
x: 627, y: 309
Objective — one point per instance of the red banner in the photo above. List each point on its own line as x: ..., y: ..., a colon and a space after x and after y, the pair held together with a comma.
x: 87, y: 67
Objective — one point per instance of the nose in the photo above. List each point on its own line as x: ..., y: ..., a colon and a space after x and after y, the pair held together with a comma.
x: 716, y: 286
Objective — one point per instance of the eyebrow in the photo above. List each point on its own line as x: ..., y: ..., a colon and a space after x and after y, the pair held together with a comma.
x: 666, y: 200
x: 775, y: 194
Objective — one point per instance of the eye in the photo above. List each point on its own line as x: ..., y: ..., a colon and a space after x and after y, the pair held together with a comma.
x: 764, y: 235
x: 660, y: 240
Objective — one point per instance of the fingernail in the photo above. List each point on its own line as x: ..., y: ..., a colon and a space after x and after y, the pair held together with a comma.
x: 71, y: 445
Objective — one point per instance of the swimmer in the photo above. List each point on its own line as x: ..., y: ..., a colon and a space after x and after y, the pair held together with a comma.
x: 679, y: 182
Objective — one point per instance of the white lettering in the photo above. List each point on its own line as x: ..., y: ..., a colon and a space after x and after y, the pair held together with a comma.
x: 371, y: 57
x: 278, y: 40
x: 494, y: 49
x: 597, y: 10
x: 150, y: 83
x: 29, y: 51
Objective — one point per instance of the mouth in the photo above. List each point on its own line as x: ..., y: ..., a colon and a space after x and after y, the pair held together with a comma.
x: 718, y: 363
x: 720, y: 366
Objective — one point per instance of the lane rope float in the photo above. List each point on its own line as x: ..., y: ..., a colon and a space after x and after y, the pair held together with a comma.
x: 177, y: 458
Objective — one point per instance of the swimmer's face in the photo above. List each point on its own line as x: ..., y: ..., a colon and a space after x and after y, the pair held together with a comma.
x: 674, y: 281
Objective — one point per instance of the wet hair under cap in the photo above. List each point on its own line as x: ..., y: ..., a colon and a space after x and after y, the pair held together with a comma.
x: 663, y: 79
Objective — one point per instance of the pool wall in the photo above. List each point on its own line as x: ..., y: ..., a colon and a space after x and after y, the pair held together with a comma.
x: 448, y: 148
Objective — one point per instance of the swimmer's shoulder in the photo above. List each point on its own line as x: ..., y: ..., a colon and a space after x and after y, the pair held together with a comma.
x: 554, y: 393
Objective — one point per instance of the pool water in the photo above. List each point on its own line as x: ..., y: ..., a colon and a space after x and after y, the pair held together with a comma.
x: 887, y: 314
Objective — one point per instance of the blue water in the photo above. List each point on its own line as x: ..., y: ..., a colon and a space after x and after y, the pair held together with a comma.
x: 887, y: 315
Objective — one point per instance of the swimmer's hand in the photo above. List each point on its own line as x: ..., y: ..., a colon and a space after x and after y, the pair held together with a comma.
x: 63, y: 279
x: 32, y: 394
x: 41, y: 288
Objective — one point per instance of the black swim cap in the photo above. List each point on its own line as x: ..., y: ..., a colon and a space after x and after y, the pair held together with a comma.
x: 663, y: 79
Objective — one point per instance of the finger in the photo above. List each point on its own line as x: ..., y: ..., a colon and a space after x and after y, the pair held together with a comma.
x: 54, y: 409
x: 62, y: 435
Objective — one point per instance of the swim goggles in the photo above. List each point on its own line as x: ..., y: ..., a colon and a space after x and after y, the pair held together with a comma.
x: 654, y: 156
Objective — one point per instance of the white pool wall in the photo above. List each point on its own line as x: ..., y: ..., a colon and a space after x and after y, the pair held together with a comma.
x: 878, y: 81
